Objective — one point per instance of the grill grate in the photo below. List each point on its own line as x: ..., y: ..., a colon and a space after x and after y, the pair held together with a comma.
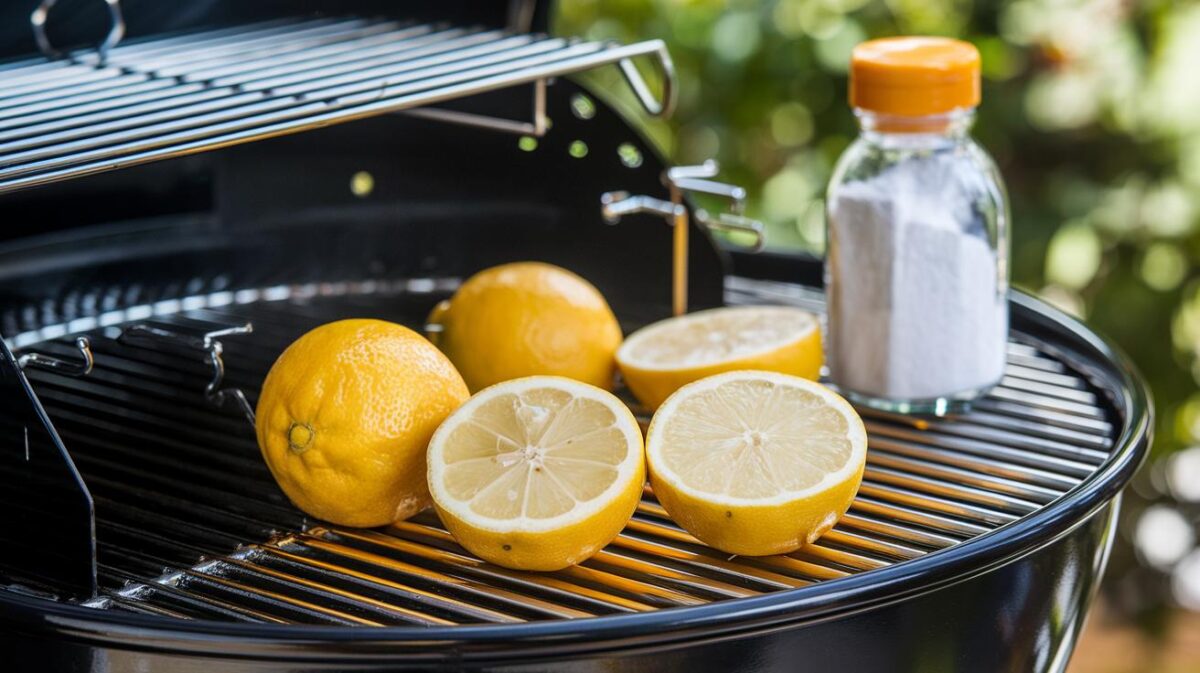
x: 180, y: 95
x: 191, y: 526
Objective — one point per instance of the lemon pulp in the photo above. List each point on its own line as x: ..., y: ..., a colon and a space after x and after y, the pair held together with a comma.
x: 755, y: 462
x: 537, y: 473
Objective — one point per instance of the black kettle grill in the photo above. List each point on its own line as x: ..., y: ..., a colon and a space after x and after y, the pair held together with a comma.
x: 218, y: 177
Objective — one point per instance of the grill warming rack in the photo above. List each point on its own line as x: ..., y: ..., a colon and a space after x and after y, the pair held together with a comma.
x: 191, y: 526
x: 89, y: 112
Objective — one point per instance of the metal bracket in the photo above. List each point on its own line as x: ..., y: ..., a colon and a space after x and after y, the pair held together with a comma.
x: 209, y: 345
x: 60, y: 366
x: 540, y: 123
x: 536, y: 128
x: 116, y: 31
x: 681, y: 180
x: 615, y: 205
x: 735, y: 224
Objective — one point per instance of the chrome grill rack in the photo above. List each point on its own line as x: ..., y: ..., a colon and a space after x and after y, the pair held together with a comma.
x: 191, y: 526
x: 161, y: 98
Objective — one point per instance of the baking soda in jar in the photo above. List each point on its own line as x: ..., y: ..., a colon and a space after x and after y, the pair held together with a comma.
x: 916, y: 270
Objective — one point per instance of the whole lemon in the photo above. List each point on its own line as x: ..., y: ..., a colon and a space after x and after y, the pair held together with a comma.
x: 345, y: 416
x: 527, y: 319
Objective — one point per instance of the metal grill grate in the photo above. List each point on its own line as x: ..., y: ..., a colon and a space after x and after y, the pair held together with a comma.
x: 180, y: 95
x: 191, y: 526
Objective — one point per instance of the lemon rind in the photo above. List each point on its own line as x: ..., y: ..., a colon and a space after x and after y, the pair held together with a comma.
x: 623, y: 353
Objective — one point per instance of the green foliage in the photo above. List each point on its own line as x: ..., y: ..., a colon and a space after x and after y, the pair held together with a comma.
x: 1089, y: 107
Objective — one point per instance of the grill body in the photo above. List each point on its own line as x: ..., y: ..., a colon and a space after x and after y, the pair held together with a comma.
x: 158, y: 542
x: 1022, y: 615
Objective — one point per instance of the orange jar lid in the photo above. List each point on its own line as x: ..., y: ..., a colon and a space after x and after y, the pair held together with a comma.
x: 914, y: 76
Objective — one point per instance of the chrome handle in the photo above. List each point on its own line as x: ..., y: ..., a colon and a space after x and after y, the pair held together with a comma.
x: 666, y: 67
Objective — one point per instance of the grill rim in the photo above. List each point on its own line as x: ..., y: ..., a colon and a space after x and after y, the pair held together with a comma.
x: 1098, y: 358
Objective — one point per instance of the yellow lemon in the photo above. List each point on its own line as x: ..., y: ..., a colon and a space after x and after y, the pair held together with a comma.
x: 756, y: 463
x: 537, y: 473
x: 345, y: 415
x: 527, y: 319
x: 660, y: 358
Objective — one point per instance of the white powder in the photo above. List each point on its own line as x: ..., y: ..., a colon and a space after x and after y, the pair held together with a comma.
x: 917, y: 306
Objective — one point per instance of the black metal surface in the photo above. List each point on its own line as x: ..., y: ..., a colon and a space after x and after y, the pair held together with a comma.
x: 40, y: 491
x: 1010, y: 599
x: 446, y: 199
x: 930, y: 485
x: 81, y: 23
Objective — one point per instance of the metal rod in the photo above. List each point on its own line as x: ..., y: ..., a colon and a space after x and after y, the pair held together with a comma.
x: 40, y: 361
x: 348, y: 94
x: 116, y: 30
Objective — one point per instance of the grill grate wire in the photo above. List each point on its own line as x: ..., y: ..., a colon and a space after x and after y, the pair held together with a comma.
x: 191, y: 526
x: 173, y: 96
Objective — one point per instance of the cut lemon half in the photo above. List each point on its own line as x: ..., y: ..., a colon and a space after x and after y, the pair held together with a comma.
x: 756, y: 463
x: 660, y: 358
x: 537, y: 473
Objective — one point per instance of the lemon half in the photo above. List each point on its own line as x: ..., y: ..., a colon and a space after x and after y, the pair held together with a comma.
x: 537, y: 473
x: 660, y: 358
x: 756, y: 463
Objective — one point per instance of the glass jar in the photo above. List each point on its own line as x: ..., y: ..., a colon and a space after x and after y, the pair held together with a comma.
x: 916, y: 271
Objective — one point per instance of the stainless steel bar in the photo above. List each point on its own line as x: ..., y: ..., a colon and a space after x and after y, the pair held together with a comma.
x: 877, y: 476
x: 1049, y: 390
x: 354, y: 108
x: 894, y: 465
x: 19, y: 126
x: 1019, y: 409
x: 914, y: 500
x: 1049, y: 469
x: 357, y: 601
x: 857, y: 520
x: 247, y: 43
x: 230, y: 108
x: 384, y: 569
x: 574, y: 586
x: 126, y: 92
x: 284, y: 106
x: 237, y: 593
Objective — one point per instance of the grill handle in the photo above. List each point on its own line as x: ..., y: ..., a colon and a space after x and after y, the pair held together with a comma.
x: 116, y: 30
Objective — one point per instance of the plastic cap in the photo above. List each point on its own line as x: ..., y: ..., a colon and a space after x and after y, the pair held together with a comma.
x: 914, y: 76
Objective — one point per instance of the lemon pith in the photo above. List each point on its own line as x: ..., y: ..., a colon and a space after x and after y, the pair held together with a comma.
x: 756, y: 463
x: 527, y: 319
x: 660, y: 358
x: 537, y: 473
x: 345, y: 415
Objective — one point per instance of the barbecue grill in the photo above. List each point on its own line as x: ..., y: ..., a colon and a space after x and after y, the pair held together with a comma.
x: 214, y: 179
